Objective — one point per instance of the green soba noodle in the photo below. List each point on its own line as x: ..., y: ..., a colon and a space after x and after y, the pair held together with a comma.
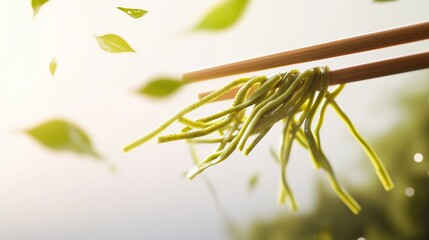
x: 292, y: 99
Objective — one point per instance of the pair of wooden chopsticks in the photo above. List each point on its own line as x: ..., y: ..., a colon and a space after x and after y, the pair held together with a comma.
x: 362, y: 43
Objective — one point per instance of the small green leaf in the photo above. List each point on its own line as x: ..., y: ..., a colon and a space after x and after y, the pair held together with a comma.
x: 53, y: 66
x: 274, y: 154
x: 161, y: 87
x: 223, y: 16
x: 113, y: 43
x: 134, y: 13
x: 384, y: 0
x: 37, y: 4
x: 253, y: 181
x: 60, y: 135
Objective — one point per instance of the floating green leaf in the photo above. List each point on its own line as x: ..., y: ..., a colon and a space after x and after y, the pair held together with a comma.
x: 60, y: 135
x: 37, y: 4
x: 253, y: 181
x: 53, y: 66
x: 113, y: 43
x: 133, y: 12
x: 161, y: 87
x: 223, y: 16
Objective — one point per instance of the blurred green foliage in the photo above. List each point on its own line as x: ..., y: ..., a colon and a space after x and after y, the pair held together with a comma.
x: 385, y: 215
x: 113, y: 43
x: 53, y: 66
x: 61, y: 135
x: 223, y: 15
x: 36, y: 5
x: 161, y: 87
x: 133, y: 12
x: 253, y: 181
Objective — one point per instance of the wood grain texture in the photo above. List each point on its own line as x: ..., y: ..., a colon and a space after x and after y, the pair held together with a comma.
x: 336, y: 48
x: 363, y: 71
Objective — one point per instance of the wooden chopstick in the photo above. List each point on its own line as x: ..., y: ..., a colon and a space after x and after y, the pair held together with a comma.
x: 386, y: 38
x: 364, y: 71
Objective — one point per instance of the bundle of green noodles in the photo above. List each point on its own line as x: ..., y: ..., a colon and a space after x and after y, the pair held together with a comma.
x: 292, y: 99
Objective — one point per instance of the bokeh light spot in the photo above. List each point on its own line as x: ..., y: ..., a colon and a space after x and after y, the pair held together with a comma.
x: 409, y: 192
x: 418, y: 157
